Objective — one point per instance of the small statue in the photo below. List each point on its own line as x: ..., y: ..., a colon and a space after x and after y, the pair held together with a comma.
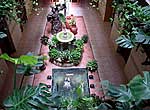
x: 67, y: 83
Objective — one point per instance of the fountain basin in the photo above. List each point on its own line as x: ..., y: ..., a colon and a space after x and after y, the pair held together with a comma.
x: 65, y: 81
x: 65, y: 38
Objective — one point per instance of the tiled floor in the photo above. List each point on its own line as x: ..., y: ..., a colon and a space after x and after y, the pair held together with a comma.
x: 110, y: 63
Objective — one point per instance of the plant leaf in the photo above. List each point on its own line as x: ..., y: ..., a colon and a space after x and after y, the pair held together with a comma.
x: 125, y: 42
x: 140, y: 86
x: 2, y: 35
x: 30, y: 98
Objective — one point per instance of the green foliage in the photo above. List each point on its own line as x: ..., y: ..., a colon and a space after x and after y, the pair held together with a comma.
x: 126, y: 41
x: 72, y: 55
x: 2, y: 35
x: 134, y: 23
x: 79, y: 43
x: 64, y: 55
x: 54, y: 41
x: 44, y: 40
x: 35, y: 4
x: 85, y: 38
x: 8, y: 10
x: 54, y: 53
x: 28, y: 98
x: 75, y: 56
x: 132, y: 95
x: 27, y: 64
x: 140, y: 87
x: 94, y: 3
x: 62, y: 18
x: 23, y: 59
x: 72, y: 21
x: 92, y: 65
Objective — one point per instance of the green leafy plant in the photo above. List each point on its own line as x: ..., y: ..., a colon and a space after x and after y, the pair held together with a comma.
x: 37, y: 98
x: 94, y: 3
x: 134, y: 21
x: 44, y: 40
x: 8, y: 10
x: 92, y: 65
x: 133, y: 96
x: 24, y: 59
x: 62, y: 18
x: 72, y: 22
x: 54, y: 41
x: 2, y: 35
x: 72, y: 53
x: 54, y: 53
x: 64, y: 55
x: 85, y: 38
x: 35, y: 5
x: 75, y: 57
x: 30, y: 69
x: 79, y: 43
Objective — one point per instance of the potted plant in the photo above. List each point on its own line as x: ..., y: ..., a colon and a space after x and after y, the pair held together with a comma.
x: 44, y: 40
x: 64, y: 55
x: 22, y: 60
x: 73, y: 27
x: 75, y: 57
x: 41, y: 60
x: 29, y: 97
x: 85, y: 38
x: 32, y: 69
x: 92, y: 65
x: 54, y: 54
x: 70, y: 20
x: 134, y: 21
x: 79, y: 43
x: 94, y: 3
x: 8, y: 10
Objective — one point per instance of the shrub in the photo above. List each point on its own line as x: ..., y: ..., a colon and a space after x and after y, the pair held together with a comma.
x: 79, y: 43
x: 85, y: 38
x: 44, y: 40
x: 92, y: 65
x: 54, y: 53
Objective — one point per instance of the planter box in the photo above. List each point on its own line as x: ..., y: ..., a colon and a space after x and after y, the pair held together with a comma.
x: 106, y: 10
x: 4, y: 68
x: 29, y: 6
x: 15, y: 32
x: 134, y: 66
x: 114, y: 32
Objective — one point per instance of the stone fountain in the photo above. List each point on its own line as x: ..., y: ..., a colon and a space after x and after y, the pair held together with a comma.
x: 65, y: 81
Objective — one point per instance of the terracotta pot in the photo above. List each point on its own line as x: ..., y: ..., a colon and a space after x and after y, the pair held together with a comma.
x: 74, y: 29
x: 67, y: 24
x: 43, y: 67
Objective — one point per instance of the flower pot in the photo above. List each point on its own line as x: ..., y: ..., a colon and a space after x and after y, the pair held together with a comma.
x: 67, y: 25
x: 43, y: 67
x: 74, y: 29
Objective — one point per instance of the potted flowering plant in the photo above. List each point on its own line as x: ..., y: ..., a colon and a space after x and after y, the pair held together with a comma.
x: 92, y: 65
